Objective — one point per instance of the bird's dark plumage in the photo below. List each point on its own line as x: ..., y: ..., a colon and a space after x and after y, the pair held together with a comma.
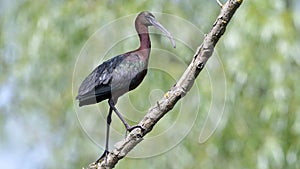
x: 112, y: 79
x: 96, y: 87
x: 124, y: 72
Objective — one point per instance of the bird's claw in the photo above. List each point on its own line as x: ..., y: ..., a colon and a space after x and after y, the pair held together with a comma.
x: 129, y: 129
x: 105, y: 153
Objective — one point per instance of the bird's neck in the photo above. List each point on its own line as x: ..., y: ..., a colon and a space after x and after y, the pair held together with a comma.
x: 145, y: 42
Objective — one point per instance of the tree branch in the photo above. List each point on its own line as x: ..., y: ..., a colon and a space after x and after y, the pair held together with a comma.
x: 177, y: 92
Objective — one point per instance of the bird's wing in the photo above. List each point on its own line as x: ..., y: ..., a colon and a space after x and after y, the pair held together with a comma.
x: 127, y: 74
x: 98, y: 80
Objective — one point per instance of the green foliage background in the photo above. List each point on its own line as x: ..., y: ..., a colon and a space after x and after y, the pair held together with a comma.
x: 260, y: 127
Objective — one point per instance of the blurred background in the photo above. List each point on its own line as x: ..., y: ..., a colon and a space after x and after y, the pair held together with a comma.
x: 44, y: 49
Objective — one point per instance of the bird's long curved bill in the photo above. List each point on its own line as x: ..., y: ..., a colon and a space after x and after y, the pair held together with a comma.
x: 164, y: 30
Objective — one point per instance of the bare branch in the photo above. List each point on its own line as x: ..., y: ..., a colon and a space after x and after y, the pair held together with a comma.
x: 177, y: 92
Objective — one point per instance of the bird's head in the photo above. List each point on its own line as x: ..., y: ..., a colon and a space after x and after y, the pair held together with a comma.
x: 148, y: 19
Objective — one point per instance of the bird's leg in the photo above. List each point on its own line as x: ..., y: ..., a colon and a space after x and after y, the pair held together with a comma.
x: 127, y: 126
x: 105, y: 153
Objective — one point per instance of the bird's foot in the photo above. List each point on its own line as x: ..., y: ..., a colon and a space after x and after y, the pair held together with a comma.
x: 130, y: 128
x: 104, y: 155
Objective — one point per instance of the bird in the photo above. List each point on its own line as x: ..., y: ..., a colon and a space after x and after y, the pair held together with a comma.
x: 120, y: 74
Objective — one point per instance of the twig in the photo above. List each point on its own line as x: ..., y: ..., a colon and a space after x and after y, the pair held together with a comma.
x: 178, y: 91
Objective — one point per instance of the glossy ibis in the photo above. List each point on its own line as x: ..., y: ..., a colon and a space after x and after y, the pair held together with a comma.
x: 120, y: 74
